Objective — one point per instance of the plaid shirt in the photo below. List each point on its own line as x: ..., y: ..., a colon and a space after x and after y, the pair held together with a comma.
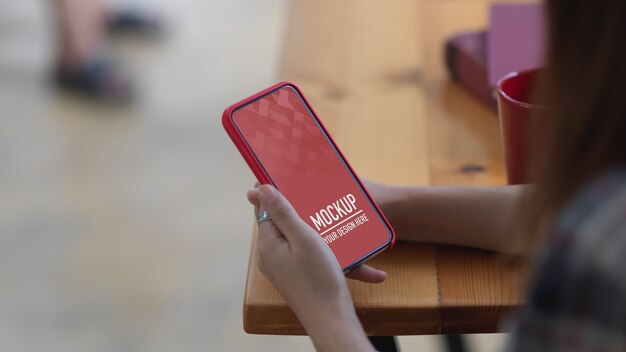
x: 577, y: 299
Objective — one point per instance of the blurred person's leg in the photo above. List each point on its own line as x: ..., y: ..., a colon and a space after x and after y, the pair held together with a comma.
x: 81, y: 25
x: 82, y: 63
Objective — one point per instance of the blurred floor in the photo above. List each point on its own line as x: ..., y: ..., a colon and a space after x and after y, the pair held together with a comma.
x: 128, y: 229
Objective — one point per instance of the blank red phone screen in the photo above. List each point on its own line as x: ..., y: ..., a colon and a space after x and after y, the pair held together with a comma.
x: 305, y: 167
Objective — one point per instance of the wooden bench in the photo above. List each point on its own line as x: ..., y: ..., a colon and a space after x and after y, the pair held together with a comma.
x: 374, y: 72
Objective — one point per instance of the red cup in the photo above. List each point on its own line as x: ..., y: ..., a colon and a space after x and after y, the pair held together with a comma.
x: 516, y: 113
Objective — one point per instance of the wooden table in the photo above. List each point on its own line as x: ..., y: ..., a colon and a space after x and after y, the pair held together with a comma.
x: 374, y: 72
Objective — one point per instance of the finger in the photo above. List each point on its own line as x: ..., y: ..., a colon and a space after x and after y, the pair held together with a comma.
x: 269, y: 244
x: 266, y: 228
x: 367, y: 274
x: 282, y: 213
x: 268, y: 232
x: 253, y: 197
x: 257, y: 185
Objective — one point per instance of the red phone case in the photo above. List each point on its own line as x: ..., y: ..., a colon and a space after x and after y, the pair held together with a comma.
x: 260, y: 173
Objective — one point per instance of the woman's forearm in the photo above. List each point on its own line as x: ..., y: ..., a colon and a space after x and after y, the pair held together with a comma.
x: 480, y: 217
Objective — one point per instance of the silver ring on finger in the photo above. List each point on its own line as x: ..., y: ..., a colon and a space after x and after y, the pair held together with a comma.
x: 263, y: 216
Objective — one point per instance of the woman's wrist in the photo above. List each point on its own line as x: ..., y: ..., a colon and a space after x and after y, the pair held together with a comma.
x: 398, y: 203
x: 334, y: 326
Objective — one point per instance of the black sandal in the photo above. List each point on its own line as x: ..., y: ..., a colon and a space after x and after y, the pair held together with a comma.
x: 98, y: 79
x: 134, y: 22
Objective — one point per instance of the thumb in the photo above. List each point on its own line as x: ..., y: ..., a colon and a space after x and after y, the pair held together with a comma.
x: 282, y: 214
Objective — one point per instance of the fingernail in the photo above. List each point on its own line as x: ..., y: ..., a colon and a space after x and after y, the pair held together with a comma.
x: 267, y: 193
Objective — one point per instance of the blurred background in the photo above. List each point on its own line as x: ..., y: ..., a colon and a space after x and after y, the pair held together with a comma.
x: 124, y: 225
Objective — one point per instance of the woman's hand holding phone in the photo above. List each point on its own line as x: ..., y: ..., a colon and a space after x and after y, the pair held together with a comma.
x: 304, y: 270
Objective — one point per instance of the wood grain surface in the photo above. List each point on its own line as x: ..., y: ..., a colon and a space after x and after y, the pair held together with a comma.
x: 374, y: 72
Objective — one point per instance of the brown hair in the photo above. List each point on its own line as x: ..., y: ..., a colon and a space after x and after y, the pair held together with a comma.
x: 584, y: 130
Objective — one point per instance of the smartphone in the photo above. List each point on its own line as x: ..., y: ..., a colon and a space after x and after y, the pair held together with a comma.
x: 285, y: 144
